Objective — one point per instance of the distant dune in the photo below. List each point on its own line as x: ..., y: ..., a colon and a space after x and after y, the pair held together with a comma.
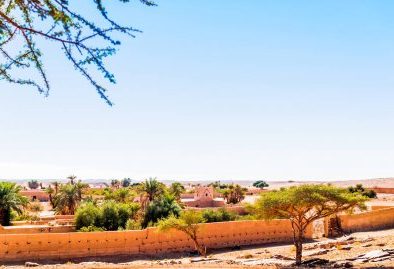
x: 375, y: 182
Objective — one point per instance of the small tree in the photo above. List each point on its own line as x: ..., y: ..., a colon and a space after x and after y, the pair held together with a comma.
x: 234, y: 194
x: 161, y: 208
x: 33, y: 184
x: 176, y: 189
x: 115, y: 183
x: 72, y: 179
x: 187, y: 223
x: 304, y: 204
x: 261, y: 184
x: 68, y: 199
x: 126, y: 182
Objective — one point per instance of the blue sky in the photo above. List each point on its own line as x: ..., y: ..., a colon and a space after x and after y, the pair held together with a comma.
x: 220, y: 89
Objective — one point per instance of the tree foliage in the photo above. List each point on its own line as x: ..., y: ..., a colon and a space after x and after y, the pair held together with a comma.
x: 110, y: 216
x: 233, y: 194
x: 261, y: 184
x: 126, y: 182
x: 187, y: 223
x: 161, y: 208
x: 10, y: 200
x: 152, y: 188
x: 360, y: 189
x: 33, y: 184
x: 176, y: 189
x: 219, y: 215
x: 85, y: 42
x: 304, y: 204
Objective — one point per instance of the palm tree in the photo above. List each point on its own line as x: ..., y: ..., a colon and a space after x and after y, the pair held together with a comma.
x: 51, y: 191
x: 177, y: 189
x: 72, y: 179
x: 10, y: 199
x: 66, y: 202
x: 234, y: 194
x: 56, y: 186
x: 80, y: 189
x: 152, y: 188
x: 161, y: 208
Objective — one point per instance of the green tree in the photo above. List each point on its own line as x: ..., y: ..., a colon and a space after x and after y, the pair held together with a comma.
x: 33, y: 184
x: 87, y: 215
x: 161, y: 208
x: 233, y: 194
x: 176, y: 189
x: 115, y: 183
x: 50, y: 191
x: 121, y: 195
x: 188, y: 223
x: 360, y: 189
x: 152, y: 188
x: 10, y: 200
x: 219, y: 215
x: 110, y: 216
x: 72, y: 179
x: 126, y: 182
x: 261, y: 184
x: 26, y: 24
x: 81, y: 187
x: 67, y: 200
x: 304, y: 204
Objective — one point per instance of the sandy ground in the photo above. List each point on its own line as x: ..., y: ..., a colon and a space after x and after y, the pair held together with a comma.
x: 276, y: 256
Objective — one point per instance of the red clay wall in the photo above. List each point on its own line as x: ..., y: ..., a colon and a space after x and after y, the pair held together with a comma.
x: 382, y: 190
x: 27, y: 247
x: 371, y: 220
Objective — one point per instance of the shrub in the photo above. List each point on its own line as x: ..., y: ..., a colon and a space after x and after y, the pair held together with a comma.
x: 218, y: 215
x: 91, y: 229
x: 24, y: 217
x: 35, y: 207
x: 87, y: 215
x: 360, y: 189
x: 109, y: 217
x: 159, y: 209
x: 133, y: 225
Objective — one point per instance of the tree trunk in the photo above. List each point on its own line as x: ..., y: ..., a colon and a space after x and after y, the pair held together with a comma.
x: 2, y: 217
x: 200, y: 249
x: 5, y: 217
x: 298, y: 244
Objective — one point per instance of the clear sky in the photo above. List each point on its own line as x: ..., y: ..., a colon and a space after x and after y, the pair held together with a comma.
x: 275, y: 89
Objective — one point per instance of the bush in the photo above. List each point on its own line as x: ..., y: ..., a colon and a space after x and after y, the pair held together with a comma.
x: 35, y: 207
x: 110, y: 216
x: 160, y: 209
x: 360, y: 189
x: 91, y: 229
x: 24, y: 217
x: 218, y: 215
x: 86, y: 216
x: 133, y: 225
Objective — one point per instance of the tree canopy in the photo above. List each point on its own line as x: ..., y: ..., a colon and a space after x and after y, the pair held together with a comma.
x: 304, y: 204
x: 260, y: 184
x: 85, y: 42
x: 10, y: 199
x: 187, y: 223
